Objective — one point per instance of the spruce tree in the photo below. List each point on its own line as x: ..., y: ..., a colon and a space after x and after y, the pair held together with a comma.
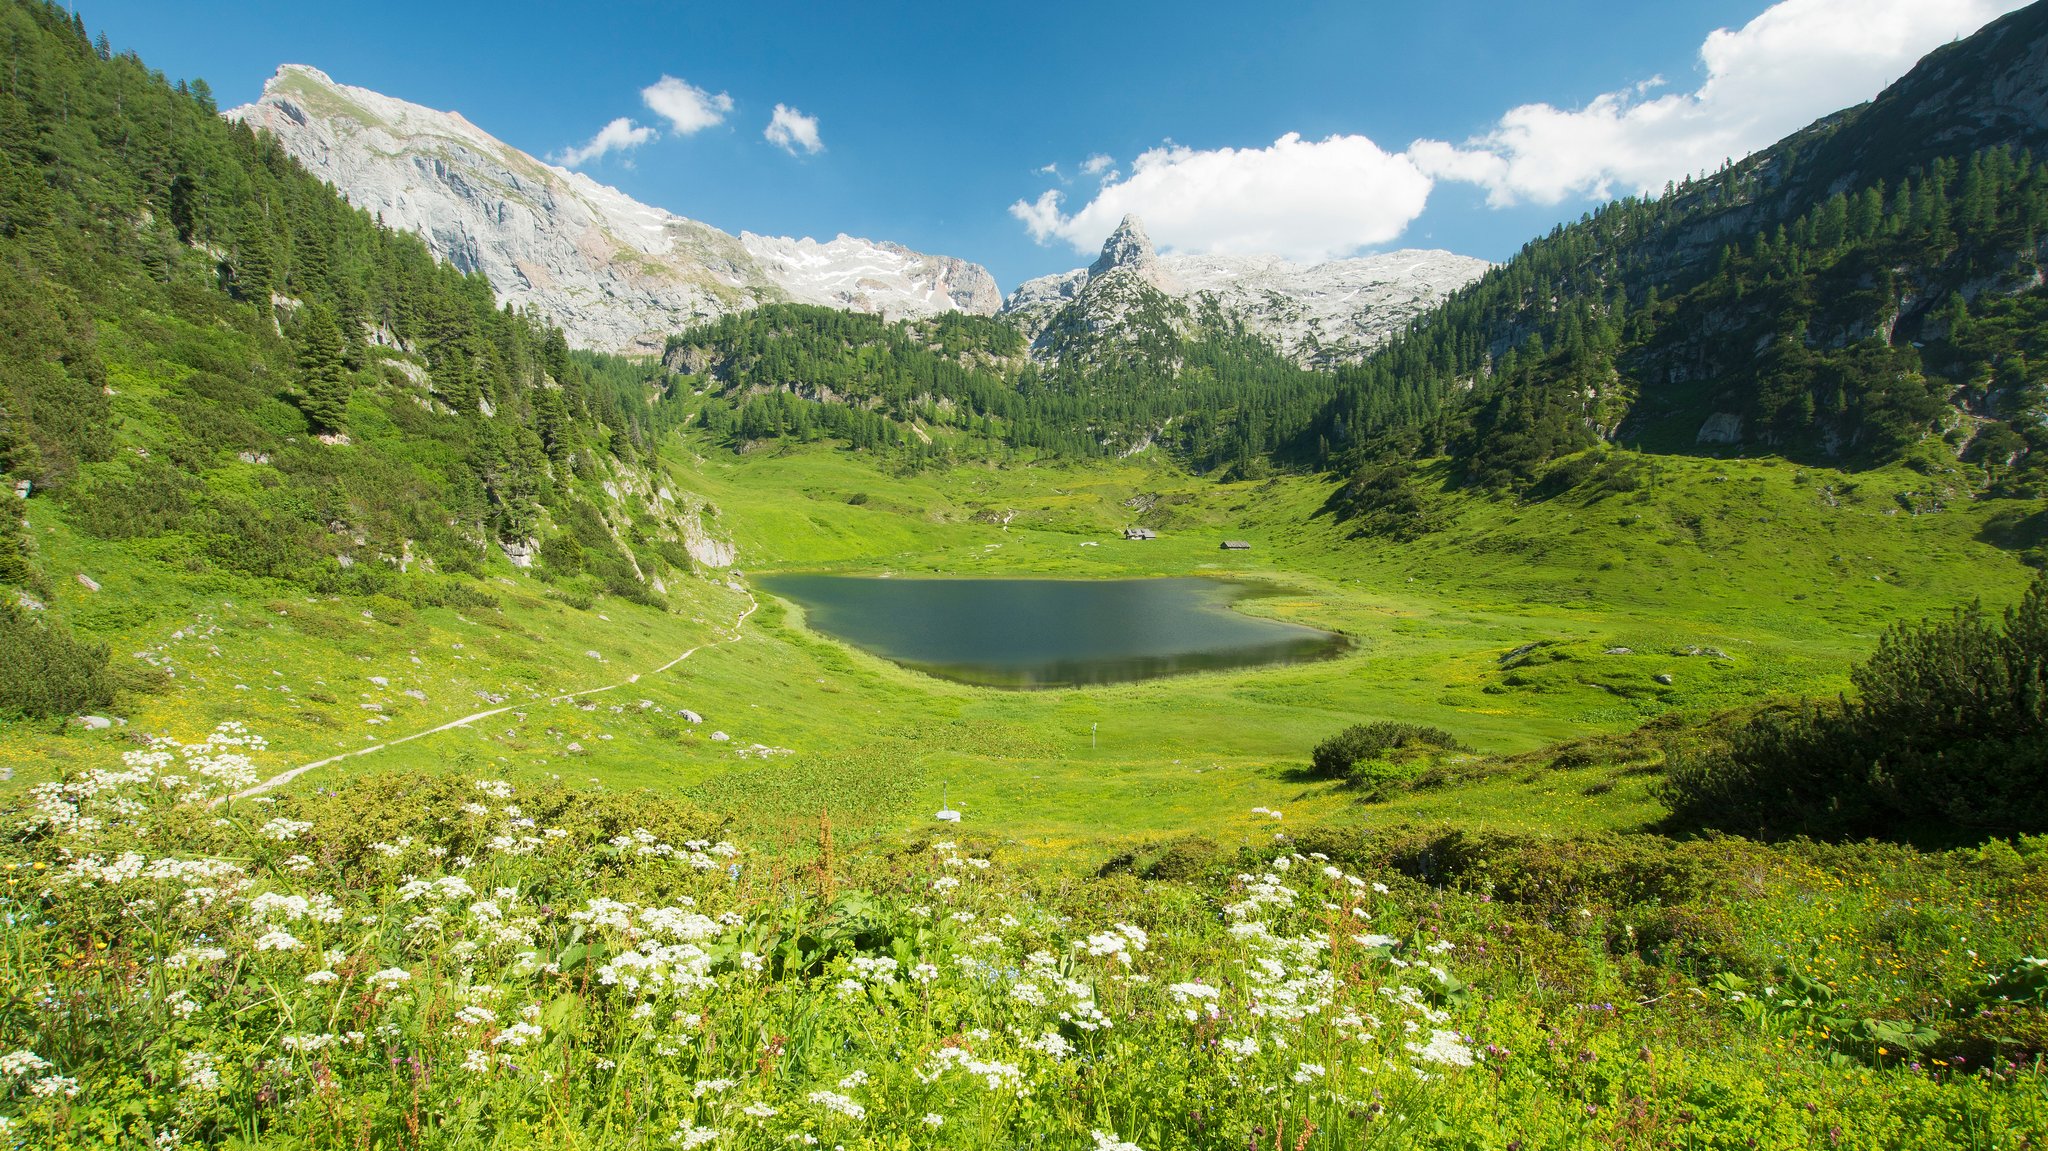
x: 323, y: 374
x: 255, y: 258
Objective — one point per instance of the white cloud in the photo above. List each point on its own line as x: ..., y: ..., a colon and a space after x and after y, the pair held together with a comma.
x: 1041, y: 217
x: 686, y: 107
x: 1797, y: 61
x: 790, y: 129
x: 1305, y: 200
x: 1052, y: 169
x: 615, y: 136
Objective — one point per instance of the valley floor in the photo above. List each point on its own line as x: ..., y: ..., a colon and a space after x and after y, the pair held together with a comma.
x: 1495, y: 956
x: 1736, y: 579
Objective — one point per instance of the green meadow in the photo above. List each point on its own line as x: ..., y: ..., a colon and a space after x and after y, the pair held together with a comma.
x: 1499, y: 959
x: 1737, y: 580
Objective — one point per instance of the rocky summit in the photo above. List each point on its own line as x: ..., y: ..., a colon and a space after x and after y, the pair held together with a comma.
x: 1316, y: 314
x: 616, y: 274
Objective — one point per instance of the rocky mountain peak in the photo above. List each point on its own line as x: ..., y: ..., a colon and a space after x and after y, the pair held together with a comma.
x: 616, y: 274
x: 1316, y: 314
x: 1127, y: 247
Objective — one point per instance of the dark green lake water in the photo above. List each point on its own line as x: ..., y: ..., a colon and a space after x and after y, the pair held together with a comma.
x: 1036, y: 633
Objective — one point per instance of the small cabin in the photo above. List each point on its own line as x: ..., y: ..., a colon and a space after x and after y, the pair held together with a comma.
x: 1140, y: 534
x: 1236, y: 546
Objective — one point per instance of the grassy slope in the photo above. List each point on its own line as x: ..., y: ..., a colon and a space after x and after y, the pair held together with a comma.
x: 1747, y: 557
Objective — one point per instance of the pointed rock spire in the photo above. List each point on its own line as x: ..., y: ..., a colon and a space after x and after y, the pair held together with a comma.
x: 1126, y: 247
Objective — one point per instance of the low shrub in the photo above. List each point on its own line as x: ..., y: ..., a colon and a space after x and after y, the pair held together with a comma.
x: 45, y: 671
x: 1949, y: 730
x: 1378, y: 758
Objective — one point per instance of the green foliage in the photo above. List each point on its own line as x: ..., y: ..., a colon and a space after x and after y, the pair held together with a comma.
x: 2026, y: 982
x: 1949, y: 729
x: 1378, y: 757
x: 1382, y: 501
x: 322, y: 373
x: 564, y: 967
x: 45, y: 671
x: 183, y: 309
x: 932, y: 389
x: 1627, y: 325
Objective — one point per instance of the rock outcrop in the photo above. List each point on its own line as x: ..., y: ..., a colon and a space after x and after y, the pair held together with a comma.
x: 867, y: 276
x: 1324, y: 313
x: 616, y: 274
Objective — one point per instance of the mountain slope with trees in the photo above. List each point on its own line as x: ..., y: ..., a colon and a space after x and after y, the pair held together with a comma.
x: 1868, y: 282
x: 206, y: 353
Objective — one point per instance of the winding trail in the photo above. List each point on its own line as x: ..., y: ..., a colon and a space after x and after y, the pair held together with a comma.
x: 282, y: 778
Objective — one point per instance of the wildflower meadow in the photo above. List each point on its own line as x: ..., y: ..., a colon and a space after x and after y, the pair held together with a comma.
x: 440, y: 962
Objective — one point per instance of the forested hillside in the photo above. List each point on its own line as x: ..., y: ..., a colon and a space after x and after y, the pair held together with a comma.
x: 960, y: 385
x: 1868, y: 282
x: 207, y: 352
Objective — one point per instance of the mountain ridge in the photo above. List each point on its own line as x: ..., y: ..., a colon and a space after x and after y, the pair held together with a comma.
x: 1811, y: 299
x: 616, y: 274
x: 1317, y: 315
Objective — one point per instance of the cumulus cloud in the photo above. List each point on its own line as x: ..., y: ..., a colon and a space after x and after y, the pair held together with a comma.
x: 686, y: 107
x: 1041, y: 217
x: 790, y: 129
x: 618, y: 135
x: 1797, y: 61
x: 1302, y: 199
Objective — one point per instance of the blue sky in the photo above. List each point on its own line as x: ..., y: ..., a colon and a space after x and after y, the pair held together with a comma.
x: 935, y: 122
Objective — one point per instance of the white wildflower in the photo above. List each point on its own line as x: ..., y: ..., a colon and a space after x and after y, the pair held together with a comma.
x: 1443, y: 1047
x: 16, y: 1064
x: 390, y: 978
x: 285, y: 830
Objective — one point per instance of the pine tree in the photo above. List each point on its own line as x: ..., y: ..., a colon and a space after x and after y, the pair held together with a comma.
x: 255, y: 258
x: 322, y: 372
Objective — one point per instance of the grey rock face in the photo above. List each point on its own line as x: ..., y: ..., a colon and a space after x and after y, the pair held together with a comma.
x: 616, y: 274
x: 1325, y: 313
x: 1127, y: 247
x: 865, y: 276
x: 1720, y: 428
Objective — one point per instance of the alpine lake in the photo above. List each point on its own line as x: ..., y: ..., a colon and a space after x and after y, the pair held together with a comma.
x: 1050, y: 633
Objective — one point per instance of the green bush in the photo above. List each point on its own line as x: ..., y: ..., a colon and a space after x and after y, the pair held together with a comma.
x: 1949, y: 730
x: 1382, y: 501
x: 1381, y: 779
x: 1362, y: 742
x: 44, y: 671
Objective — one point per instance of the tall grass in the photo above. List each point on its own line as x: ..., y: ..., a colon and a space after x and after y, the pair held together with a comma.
x: 432, y: 962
